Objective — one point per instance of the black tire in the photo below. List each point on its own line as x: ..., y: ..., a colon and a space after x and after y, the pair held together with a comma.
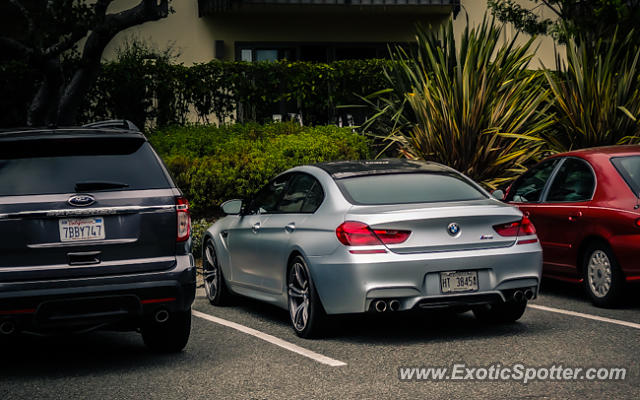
x: 603, y: 280
x: 215, y: 286
x: 170, y: 336
x: 500, y: 313
x: 308, y: 321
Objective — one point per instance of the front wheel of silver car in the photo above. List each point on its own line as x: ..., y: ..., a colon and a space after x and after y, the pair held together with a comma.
x: 506, y: 312
x: 214, y: 285
x: 305, y: 311
x: 603, y: 280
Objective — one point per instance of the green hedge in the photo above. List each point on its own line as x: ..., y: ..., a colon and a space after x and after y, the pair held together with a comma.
x: 212, y: 165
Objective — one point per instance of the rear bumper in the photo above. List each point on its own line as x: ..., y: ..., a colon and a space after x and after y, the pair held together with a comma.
x: 125, y: 300
x: 350, y: 283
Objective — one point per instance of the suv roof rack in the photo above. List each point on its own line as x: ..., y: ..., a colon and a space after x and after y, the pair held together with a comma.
x: 113, y: 124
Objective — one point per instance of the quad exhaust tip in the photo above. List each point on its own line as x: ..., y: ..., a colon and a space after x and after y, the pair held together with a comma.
x: 7, y: 327
x: 161, y: 316
x: 394, y: 305
x: 528, y: 294
x: 518, y: 295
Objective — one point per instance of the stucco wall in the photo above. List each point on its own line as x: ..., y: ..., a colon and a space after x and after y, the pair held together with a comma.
x: 194, y: 38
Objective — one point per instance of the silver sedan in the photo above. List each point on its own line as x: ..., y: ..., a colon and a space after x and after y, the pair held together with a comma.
x: 373, y: 236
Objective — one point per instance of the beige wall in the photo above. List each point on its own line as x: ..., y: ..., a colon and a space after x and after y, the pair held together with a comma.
x: 476, y: 9
x: 194, y: 38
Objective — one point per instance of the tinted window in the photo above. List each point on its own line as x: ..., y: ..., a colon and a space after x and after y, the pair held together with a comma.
x: 301, y: 195
x: 314, y: 198
x: 408, y: 188
x: 573, y: 182
x: 528, y: 188
x: 629, y: 168
x: 48, y: 166
x: 268, y: 197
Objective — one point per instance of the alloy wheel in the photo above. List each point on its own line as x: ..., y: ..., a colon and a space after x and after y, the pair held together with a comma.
x: 599, y: 273
x: 299, y: 299
x: 210, y: 272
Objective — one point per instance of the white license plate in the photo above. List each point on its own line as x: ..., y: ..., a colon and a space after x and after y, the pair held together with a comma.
x: 77, y: 229
x: 459, y: 281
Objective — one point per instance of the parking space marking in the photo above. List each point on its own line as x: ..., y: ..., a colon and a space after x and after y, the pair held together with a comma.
x: 271, y: 339
x: 587, y: 316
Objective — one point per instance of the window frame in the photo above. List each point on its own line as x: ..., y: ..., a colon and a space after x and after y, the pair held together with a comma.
x: 554, y: 175
x: 545, y: 187
x: 635, y: 188
x: 292, y: 176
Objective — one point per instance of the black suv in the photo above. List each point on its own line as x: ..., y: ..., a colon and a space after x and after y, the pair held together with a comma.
x: 93, y: 234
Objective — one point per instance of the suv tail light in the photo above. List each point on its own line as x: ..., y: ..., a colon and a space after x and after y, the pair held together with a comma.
x: 184, y: 219
x: 351, y: 233
x: 524, y: 227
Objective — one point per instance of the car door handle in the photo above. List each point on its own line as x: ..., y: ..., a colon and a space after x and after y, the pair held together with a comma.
x: 574, y: 217
x: 256, y: 227
x: 290, y: 227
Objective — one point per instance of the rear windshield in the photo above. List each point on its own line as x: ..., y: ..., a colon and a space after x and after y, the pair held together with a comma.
x: 407, y: 188
x: 629, y: 169
x: 83, y: 165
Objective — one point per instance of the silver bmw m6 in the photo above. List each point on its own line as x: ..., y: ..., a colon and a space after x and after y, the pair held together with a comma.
x: 373, y: 236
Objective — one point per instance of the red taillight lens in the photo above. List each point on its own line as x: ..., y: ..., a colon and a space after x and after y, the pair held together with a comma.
x: 524, y: 227
x: 184, y: 219
x: 352, y: 233
x: 389, y: 236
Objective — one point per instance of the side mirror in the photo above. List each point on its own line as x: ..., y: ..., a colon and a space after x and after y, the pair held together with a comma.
x: 232, y: 207
x: 498, y: 194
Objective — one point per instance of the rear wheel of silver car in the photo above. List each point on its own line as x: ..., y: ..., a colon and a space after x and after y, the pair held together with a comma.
x: 603, y: 280
x: 214, y: 285
x: 305, y: 311
x: 170, y: 336
x: 506, y: 312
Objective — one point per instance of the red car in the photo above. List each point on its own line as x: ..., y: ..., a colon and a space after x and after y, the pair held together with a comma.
x: 585, y: 206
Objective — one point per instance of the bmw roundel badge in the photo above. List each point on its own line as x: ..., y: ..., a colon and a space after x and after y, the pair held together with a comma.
x: 81, y: 200
x: 453, y: 229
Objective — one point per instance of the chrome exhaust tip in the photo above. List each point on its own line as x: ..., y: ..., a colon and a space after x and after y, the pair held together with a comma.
x: 394, y: 305
x: 7, y: 327
x: 529, y: 294
x: 161, y: 316
x: 380, y: 305
x: 518, y: 295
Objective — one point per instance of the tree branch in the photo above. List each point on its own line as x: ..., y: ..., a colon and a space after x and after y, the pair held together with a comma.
x: 548, y: 4
x: 101, y: 35
x: 26, y: 14
x: 14, y: 47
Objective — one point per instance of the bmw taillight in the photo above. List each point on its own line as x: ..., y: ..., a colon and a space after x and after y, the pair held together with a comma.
x: 352, y: 233
x: 184, y: 219
x: 524, y: 227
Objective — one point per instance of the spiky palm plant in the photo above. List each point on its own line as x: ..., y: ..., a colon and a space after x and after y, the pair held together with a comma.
x: 472, y: 105
x: 596, y: 94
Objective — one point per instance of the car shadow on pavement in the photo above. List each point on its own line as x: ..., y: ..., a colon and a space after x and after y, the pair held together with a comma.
x: 79, y: 355
x: 576, y: 292
x: 405, y: 327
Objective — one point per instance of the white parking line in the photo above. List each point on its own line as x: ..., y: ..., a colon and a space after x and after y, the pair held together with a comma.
x: 271, y: 339
x: 587, y: 316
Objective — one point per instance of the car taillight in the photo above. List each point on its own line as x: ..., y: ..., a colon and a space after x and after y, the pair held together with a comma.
x: 524, y: 227
x: 351, y: 233
x: 184, y: 219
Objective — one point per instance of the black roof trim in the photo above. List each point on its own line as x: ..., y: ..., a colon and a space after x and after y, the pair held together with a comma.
x: 348, y: 169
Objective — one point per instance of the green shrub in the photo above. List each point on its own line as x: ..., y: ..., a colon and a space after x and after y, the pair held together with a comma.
x: 198, y: 227
x: 212, y: 165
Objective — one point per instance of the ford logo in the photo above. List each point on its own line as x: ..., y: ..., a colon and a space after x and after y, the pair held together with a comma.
x: 453, y: 229
x: 81, y: 200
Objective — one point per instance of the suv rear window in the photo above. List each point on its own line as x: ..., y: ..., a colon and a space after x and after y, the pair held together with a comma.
x: 77, y: 165
x: 629, y: 169
x: 407, y: 188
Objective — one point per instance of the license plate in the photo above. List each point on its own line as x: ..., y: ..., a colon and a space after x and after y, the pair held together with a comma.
x: 77, y: 229
x: 459, y: 281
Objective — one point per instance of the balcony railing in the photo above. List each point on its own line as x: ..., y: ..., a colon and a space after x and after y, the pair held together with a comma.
x: 208, y: 7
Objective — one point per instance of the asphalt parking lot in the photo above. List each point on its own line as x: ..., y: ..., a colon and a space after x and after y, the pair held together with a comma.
x: 223, y: 362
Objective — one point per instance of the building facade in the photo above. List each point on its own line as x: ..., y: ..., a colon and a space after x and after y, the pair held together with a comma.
x: 308, y: 30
